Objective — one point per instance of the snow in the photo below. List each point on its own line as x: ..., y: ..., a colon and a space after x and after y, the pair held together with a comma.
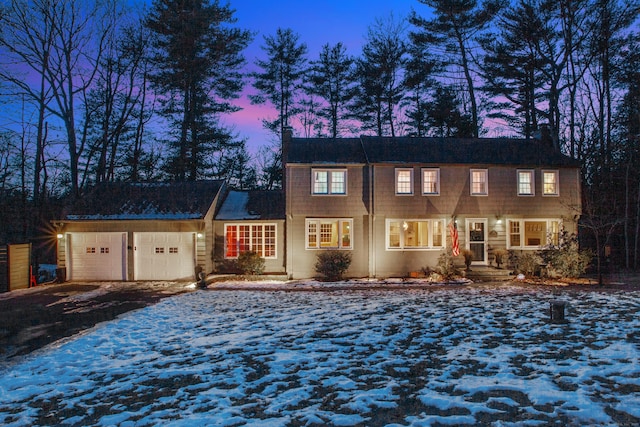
x: 235, y: 207
x: 404, y: 357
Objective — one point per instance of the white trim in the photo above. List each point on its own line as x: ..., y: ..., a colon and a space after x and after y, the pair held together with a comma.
x: 557, y: 175
x: 329, y: 173
x: 485, y: 240
x: 486, y: 182
x: 318, y: 245
x: 521, y: 232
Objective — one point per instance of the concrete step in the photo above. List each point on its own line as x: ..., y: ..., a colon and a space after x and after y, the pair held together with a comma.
x: 488, y: 274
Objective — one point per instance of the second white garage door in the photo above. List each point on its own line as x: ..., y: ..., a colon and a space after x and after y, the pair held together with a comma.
x: 164, y: 256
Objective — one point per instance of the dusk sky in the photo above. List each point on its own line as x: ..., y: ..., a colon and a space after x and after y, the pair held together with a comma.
x: 317, y: 23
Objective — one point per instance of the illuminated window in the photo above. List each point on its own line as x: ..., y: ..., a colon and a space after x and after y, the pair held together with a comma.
x: 404, y: 181
x: 550, y: 183
x: 430, y: 181
x: 525, y: 183
x: 479, y: 179
x: 91, y: 250
x: 259, y: 238
x: 329, y: 181
x: 415, y: 234
x: 329, y: 233
x: 534, y: 233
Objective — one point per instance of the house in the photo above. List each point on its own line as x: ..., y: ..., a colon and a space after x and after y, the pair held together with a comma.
x: 250, y: 221
x: 140, y: 231
x: 391, y: 201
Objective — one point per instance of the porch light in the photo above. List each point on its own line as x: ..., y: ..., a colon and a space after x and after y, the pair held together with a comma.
x: 59, y: 235
x: 199, y: 235
x: 405, y: 226
x: 499, y: 221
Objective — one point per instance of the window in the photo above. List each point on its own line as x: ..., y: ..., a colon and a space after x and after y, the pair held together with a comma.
x: 173, y: 250
x: 415, y: 234
x: 159, y: 250
x: 329, y: 181
x: 430, y: 181
x: 550, y: 183
x: 534, y: 233
x: 329, y: 233
x: 260, y: 238
x: 525, y: 183
x: 104, y: 250
x: 91, y: 250
x: 404, y: 181
x: 479, y: 186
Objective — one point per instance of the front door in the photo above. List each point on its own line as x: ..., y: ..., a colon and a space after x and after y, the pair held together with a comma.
x: 477, y: 238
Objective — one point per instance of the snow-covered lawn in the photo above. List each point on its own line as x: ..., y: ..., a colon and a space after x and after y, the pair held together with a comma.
x: 446, y: 356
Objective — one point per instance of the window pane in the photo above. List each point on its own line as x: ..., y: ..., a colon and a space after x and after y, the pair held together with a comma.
x: 244, y: 242
x: 320, y: 182
x: 346, y: 234
x: 269, y: 240
x: 535, y: 233
x: 337, y: 182
x: 479, y: 182
x: 416, y: 233
x: 525, y: 182
x: 437, y: 233
x: 550, y: 182
x: 329, y: 234
x: 403, y: 182
x: 232, y: 242
x: 394, y: 234
x: 514, y: 233
x: 313, y: 235
x: 430, y: 182
x: 257, y: 240
x: 554, y: 233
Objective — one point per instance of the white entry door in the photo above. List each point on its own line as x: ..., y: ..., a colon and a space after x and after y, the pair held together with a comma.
x: 477, y: 240
x: 164, y: 256
x: 97, y: 256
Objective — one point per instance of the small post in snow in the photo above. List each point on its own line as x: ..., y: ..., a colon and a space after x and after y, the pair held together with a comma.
x: 556, y: 311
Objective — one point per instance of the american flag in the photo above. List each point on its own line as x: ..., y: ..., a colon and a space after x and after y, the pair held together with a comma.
x: 453, y: 229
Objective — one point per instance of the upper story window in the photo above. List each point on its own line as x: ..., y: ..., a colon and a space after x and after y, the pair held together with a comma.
x: 329, y: 181
x: 479, y: 182
x: 329, y: 233
x: 550, y: 183
x: 415, y: 234
x: 526, y: 183
x: 431, y: 181
x: 404, y: 181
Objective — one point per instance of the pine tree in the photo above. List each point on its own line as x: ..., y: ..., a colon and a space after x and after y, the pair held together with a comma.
x: 197, y: 73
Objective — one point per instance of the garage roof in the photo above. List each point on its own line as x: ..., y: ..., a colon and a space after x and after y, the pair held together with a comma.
x: 258, y: 204
x: 134, y: 201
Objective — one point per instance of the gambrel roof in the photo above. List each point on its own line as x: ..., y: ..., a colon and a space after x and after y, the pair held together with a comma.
x: 436, y: 151
x: 147, y: 201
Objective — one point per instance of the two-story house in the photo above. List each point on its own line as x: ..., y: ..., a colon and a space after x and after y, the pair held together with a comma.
x: 391, y: 201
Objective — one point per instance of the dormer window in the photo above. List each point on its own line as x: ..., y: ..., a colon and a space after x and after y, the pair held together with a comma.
x: 329, y: 181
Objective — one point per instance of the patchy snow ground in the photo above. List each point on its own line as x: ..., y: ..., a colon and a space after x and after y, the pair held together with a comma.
x: 454, y: 356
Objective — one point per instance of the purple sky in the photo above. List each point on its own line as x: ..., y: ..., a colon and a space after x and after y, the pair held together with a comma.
x: 317, y: 23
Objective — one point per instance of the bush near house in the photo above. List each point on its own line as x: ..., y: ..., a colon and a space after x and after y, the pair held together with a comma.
x: 333, y: 264
x: 446, y: 266
x: 250, y: 263
x: 526, y: 263
x: 566, y: 260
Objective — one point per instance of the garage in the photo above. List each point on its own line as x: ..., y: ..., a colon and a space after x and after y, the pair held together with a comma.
x: 97, y: 256
x: 164, y: 255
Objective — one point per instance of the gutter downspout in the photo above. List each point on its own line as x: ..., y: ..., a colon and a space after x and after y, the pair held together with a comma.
x: 371, y: 253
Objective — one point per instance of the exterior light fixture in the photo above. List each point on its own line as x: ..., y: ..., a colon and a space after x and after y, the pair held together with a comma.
x: 199, y: 235
x: 59, y: 235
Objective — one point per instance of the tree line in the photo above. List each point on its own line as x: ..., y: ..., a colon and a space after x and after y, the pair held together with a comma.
x: 95, y: 92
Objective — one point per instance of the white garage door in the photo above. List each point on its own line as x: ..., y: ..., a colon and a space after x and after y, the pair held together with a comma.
x: 97, y: 256
x: 164, y: 256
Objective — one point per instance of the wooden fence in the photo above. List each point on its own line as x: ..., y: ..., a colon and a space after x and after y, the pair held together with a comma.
x: 15, y: 262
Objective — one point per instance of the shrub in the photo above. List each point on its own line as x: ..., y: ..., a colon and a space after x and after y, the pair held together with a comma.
x: 446, y: 266
x: 468, y: 257
x: 333, y: 264
x: 528, y: 263
x: 250, y: 263
x: 567, y: 260
x: 500, y: 255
